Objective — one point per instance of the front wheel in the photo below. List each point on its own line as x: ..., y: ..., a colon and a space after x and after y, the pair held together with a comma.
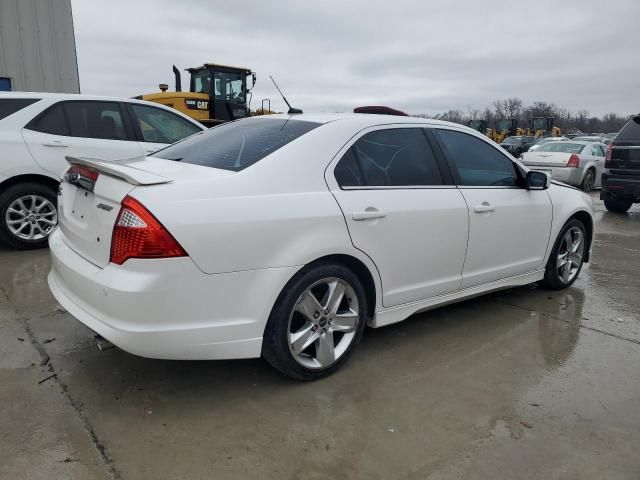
x: 316, y: 322
x: 567, y: 256
x: 616, y: 205
x: 28, y: 214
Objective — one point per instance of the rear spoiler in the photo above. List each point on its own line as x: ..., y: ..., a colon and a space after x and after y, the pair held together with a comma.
x: 122, y: 169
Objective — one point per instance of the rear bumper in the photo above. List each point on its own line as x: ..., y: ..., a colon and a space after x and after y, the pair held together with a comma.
x: 167, y: 308
x: 621, y: 186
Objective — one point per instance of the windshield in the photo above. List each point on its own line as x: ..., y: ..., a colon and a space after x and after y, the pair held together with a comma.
x: 504, y: 125
x: 237, y: 145
x: 563, y: 147
x: 226, y: 86
x: 229, y: 86
x: 512, y: 140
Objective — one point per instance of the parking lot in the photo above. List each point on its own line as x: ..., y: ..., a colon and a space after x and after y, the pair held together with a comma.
x: 520, y: 384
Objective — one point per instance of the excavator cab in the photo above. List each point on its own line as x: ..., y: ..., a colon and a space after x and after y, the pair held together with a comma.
x: 479, y: 125
x: 226, y: 88
x: 543, y: 127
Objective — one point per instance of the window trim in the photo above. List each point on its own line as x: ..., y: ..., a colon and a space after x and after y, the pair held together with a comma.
x: 445, y: 173
x: 63, y: 103
x: 454, y: 168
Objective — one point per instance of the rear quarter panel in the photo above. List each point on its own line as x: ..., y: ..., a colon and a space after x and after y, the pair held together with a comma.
x: 276, y: 213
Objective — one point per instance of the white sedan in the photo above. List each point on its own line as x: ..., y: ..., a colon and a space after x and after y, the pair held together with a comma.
x: 283, y: 236
x: 37, y: 131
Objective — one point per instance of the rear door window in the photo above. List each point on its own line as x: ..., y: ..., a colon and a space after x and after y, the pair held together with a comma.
x: 596, y: 151
x: 51, y: 121
x: 95, y: 119
x: 395, y: 157
x: 237, y: 145
x: 159, y: 126
x: 9, y: 106
x: 347, y: 172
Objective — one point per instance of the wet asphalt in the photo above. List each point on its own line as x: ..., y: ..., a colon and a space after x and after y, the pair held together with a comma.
x: 526, y: 383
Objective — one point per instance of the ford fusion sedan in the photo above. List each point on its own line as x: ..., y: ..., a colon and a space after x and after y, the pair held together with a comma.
x: 37, y: 131
x: 578, y: 163
x: 283, y: 236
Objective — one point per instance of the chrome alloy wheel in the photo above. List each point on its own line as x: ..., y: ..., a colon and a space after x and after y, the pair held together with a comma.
x: 31, y: 217
x: 570, y: 254
x: 323, y: 323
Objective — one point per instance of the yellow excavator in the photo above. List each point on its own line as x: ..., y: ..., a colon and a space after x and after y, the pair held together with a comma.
x: 505, y: 128
x: 543, y: 127
x: 217, y: 93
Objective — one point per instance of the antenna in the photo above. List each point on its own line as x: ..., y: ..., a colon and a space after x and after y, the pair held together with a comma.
x: 291, y: 109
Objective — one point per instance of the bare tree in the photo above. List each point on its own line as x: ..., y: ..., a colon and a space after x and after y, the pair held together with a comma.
x: 508, y: 108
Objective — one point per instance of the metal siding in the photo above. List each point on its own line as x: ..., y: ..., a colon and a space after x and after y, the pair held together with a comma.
x: 37, y: 45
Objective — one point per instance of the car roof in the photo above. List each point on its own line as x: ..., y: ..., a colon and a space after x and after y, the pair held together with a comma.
x: 362, y: 119
x: 579, y: 142
x: 61, y: 96
x: 79, y: 96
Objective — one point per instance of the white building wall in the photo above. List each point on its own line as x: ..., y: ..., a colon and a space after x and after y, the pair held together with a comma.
x: 37, y: 46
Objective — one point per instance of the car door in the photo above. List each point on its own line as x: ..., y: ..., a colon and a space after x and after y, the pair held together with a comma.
x: 509, y: 226
x: 85, y: 128
x: 597, y: 153
x: 156, y: 127
x: 402, y: 211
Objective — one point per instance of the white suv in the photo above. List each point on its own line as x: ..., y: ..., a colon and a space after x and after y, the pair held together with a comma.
x: 37, y: 132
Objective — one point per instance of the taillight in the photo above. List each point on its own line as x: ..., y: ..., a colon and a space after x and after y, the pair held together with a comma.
x: 138, y: 234
x: 607, y: 156
x: 81, y: 177
x: 574, y: 161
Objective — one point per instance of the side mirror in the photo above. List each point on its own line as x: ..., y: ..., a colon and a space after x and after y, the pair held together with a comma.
x: 536, y: 180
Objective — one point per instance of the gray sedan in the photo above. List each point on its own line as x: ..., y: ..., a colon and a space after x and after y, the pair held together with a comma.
x: 572, y: 162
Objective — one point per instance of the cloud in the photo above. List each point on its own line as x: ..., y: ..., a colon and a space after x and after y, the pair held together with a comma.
x: 422, y: 57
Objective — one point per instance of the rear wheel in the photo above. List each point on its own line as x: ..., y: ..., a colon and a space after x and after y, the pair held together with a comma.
x: 316, y: 322
x: 28, y: 214
x: 616, y: 204
x: 567, y: 256
x: 588, y: 181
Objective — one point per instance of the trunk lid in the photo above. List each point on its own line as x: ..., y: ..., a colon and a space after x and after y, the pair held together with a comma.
x: 545, y: 159
x: 88, y: 210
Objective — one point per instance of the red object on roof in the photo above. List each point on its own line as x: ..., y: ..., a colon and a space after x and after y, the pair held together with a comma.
x: 380, y: 110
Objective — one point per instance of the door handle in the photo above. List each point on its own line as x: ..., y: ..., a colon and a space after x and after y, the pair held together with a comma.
x: 55, y: 143
x: 369, y: 214
x: 485, y: 207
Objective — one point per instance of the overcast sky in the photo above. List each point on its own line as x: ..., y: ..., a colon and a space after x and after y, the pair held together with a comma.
x: 418, y: 56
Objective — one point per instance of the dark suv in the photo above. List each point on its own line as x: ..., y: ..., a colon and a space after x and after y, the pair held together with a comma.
x: 621, y: 179
x: 517, y: 145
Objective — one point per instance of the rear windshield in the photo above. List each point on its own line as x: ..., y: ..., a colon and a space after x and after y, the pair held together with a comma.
x: 237, y: 145
x: 512, y: 140
x: 631, y: 131
x: 563, y: 147
x: 9, y: 106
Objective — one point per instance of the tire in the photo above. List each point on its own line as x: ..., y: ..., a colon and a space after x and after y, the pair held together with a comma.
x: 588, y: 181
x: 295, y: 312
x: 553, y: 278
x: 617, y: 205
x: 517, y: 153
x: 18, y: 210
